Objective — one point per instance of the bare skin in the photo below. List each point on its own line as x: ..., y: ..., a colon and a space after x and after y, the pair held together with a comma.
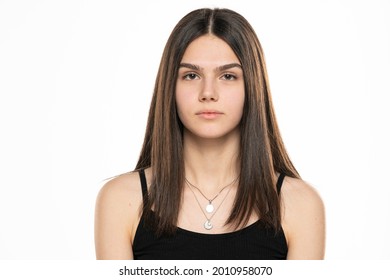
x: 209, y: 97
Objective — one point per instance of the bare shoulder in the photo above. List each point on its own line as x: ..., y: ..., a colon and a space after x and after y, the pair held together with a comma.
x: 299, y: 193
x: 123, y: 188
x: 123, y: 191
x: 118, y: 201
x: 117, y: 214
x: 303, y: 219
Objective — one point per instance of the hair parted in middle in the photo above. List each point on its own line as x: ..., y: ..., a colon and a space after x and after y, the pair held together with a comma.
x: 262, y: 152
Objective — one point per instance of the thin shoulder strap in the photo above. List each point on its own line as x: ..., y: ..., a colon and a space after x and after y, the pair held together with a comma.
x: 144, y: 186
x: 279, y: 183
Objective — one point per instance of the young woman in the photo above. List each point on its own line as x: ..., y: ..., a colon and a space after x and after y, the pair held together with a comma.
x: 213, y: 180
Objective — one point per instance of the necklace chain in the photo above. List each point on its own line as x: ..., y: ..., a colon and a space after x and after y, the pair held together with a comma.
x: 211, y: 200
x: 207, y: 224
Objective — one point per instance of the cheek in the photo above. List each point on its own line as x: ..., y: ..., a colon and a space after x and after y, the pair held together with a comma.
x: 186, y: 96
x: 183, y: 103
x: 236, y: 104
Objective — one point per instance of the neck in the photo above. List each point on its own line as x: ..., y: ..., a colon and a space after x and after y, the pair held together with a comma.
x: 211, y: 164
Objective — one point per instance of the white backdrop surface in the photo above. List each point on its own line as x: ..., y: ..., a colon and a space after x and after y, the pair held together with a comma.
x: 76, y: 79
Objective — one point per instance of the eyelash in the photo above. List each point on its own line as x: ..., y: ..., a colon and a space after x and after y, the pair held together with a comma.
x: 186, y: 76
x: 231, y: 76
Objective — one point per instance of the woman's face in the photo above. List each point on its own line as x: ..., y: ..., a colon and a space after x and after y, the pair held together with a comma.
x: 210, y: 89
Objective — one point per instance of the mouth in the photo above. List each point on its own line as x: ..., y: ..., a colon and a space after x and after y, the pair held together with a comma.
x: 209, y: 114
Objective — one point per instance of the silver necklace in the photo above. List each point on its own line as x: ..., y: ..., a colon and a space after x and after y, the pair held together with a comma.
x: 207, y: 224
x: 210, y: 206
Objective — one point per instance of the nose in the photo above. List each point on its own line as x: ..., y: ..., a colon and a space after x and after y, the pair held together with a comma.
x: 208, y: 91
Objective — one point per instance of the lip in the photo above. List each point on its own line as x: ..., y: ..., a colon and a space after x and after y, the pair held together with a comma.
x: 209, y: 114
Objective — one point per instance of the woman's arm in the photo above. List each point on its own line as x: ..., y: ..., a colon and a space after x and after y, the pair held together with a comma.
x: 116, y: 217
x: 303, y: 220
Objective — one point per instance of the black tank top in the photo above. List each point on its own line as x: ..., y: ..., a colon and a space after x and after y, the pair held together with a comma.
x: 256, y: 241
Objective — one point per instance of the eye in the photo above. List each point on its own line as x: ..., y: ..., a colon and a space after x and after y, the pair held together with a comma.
x: 228, y: 77
x: 190, y: 76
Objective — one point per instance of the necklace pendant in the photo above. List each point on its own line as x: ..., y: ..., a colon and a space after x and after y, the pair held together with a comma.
x: 208, y: 225
x: 209, y: 208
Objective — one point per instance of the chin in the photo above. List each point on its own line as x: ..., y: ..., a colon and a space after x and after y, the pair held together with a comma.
x: 213, y: 134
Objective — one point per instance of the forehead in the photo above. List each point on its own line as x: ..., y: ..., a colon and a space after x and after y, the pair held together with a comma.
x: 209, y: 50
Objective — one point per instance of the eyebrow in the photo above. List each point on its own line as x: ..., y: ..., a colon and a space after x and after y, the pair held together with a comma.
x: 219, y: 68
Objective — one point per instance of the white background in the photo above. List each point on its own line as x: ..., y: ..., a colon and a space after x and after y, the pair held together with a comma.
x: 76, y: 79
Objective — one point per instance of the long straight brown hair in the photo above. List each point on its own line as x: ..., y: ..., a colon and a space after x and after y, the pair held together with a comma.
x: 262, y: 152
